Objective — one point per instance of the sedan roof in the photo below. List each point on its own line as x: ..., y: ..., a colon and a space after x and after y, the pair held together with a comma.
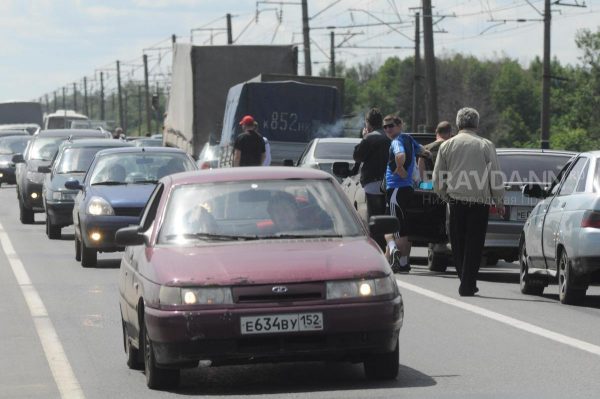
x: 96, y: 142
x: 256, y: 173
x: 72, y: 132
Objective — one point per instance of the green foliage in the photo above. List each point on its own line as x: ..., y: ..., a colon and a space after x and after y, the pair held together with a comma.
x: 573, y: 140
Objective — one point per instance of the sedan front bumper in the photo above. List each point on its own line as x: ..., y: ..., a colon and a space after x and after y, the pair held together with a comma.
x: 106, y: 227
x: 351, y: 331
x: 60, y: 213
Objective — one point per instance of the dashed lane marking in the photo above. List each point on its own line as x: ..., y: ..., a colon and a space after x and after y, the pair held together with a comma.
x: 521, y: 325
x: 63, y: 374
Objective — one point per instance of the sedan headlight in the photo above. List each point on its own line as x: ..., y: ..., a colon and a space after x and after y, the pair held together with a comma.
x: 195, y: 296
x: 35, y: 177
x: 98, y: 206
x: 63, y: 195
x: 361, y: 288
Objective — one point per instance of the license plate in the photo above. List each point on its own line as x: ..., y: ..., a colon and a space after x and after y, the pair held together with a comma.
x: 281, y: 323
x: 520, y: 213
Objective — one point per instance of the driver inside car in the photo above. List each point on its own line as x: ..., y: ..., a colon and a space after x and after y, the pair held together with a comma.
x: 287, y: 214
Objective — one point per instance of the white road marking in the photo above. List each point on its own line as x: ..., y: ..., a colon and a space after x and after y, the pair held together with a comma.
x: 63, y: 374
x: 521, y: 325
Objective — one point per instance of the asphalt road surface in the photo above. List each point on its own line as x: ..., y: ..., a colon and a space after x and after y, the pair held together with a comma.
x: 60, y: 336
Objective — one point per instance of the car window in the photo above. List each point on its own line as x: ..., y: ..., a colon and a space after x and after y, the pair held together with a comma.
x: 583, y: 178
x: 74, y: 160
x: 532, y: 168
x: 341, y: 151
x: 257, y: 209
x: 572, y: 177
x: 149, y: 213
x: 306, y: 150
x: 138, y: 167
x: 44, y: 148
x: 13, y: 145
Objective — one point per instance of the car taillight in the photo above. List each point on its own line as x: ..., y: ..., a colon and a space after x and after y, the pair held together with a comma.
x: 591, y: 219
x: 493, y: 213
x: 205, y: 165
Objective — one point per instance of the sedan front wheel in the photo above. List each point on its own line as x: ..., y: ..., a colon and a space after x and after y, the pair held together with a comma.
x: 89, y: 256
x: 157, y: 378
x: 530, y: 284
x: 383, y: 366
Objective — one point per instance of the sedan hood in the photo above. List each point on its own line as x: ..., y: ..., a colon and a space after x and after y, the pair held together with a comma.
x: 267, y: 261
x: 130, y: 195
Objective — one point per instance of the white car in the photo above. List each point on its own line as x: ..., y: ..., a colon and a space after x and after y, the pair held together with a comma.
x: 561, y: 237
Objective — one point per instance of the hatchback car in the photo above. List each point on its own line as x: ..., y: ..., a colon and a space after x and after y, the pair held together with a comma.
x: 39, y: 153
x: 321, y: 153
x: 242, y: 265
x: 71, y: 162
x: 561, y: 237
x: 114, y: 192
x: 9, y: 146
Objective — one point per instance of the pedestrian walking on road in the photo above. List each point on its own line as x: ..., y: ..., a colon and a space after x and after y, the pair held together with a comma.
x: 467, y: 176
x: 371, y: 156
x: 249, y: 147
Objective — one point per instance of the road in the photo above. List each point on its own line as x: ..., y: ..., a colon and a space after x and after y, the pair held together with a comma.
x: 499, y: 344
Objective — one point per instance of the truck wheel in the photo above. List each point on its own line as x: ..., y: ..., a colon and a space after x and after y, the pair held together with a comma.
x: 436, y: 262
x: 383, y: 366
x: 566, y: 292
x: 530, y: 284
x: 157, y: 378
x: 89, y: 256
x: 25, y: 215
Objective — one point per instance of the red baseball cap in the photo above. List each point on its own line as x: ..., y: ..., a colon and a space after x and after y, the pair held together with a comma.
x: 247, y: 120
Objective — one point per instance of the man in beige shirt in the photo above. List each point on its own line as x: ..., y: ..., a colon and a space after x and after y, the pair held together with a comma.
x: 467, y: 176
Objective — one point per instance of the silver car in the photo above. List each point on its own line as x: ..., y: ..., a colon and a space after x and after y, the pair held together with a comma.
x: 321, y: 153
x: 561, y: 237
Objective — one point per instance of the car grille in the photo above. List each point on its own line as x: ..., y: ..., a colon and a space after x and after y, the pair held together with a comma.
x: 266, y: 293
x: 128, y: 211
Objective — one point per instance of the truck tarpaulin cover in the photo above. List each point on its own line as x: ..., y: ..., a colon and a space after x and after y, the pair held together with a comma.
x: 202, y: 76
x: 285, y: 111
x: 20, y: 112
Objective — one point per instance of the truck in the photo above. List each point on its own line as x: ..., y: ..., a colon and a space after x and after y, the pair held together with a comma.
x: 21, y: 112
x: 289, y: 113
x: 201, y: 78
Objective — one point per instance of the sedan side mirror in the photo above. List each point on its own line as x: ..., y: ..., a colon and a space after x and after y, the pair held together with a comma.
x: 129, y: 236
x: 44, y: 169
x: 73, y: 185
x: 534, y: 191
x: 379, y: 225
x: 341, y: 169
x: 18, y: 158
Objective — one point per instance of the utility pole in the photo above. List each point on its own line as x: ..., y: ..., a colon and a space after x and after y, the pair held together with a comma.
x: 229, y: 32
x: 157, y: 110
x: 102, y: 113
x: 64, y: 98
x: 332, y: 54
x: 75, y: 97
x: 306, y: 34
x: 147, y: 87
x: 47, y: 103
x: 121, y: 118
x: 125, y: 111
x: 112, y: 106
x: 173, y: 39
x: 416, y: 76
x: 55, y: 104
x: 546, y: 74
x: 139, y: 110
x: 432, y: 106
x: 85, y: 97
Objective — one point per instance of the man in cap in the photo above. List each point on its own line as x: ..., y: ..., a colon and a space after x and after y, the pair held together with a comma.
x: 249, y: 147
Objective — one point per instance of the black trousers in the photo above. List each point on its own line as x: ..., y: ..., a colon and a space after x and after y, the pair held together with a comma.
x: 468, y: 225
x: 376, y: 205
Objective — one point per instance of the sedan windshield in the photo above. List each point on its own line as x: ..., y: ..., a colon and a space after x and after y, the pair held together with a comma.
x: 138, y: 167
x: 270, y: 209
x: 341, y: 151
x: 44, y: 148
x: 13, y: 145
x: 76, y: 160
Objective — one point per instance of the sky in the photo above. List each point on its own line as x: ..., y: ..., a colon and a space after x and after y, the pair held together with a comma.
x: 46, y: 45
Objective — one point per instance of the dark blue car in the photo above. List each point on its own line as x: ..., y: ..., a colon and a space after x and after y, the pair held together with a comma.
x: 114, y: 193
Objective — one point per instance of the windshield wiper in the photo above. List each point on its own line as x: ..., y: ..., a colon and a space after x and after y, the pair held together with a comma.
x: 145, y: 181
x: 109, y: 183
x: 72, y: 171
x: 286, y: 235
x: 210, y: 236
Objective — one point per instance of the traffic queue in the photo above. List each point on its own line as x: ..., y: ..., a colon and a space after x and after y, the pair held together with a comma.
x: 252, y: 264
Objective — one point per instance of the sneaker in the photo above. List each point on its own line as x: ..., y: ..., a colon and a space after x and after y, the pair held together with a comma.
x: 396, y: 266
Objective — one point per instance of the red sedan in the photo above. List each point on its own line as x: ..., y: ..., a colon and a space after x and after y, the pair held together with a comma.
x: 240, y: 265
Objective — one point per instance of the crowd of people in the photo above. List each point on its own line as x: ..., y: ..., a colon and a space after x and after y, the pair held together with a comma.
x: 391, y: 163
